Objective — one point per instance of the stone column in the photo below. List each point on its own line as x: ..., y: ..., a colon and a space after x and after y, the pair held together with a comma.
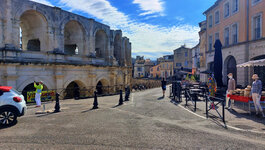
x: 8, y: 26
x: 16, y: 33
x: 58, y: 39
x: 1, y: 33
x: 11, y: 76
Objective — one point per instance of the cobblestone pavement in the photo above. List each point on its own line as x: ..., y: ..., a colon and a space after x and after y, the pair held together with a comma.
x: 146, y: 122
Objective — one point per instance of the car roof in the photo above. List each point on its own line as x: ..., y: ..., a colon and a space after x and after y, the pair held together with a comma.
x: 5, y: 88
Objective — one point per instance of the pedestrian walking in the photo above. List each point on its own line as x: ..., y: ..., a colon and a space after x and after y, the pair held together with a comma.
x: 256, y: 91
x: 164, y: 86
x: 39, y: 87
x: 230, y: 88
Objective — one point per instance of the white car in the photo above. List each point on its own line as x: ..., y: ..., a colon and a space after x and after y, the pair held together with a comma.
x: 12, y: 105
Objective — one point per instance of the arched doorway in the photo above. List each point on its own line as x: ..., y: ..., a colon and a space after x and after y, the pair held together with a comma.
x: 117, y: 48
x: 72, y: 91
x: 30, y: 88
x: 231, y: 67
x: 74, y: 38
x: 33, y: 31
x: 101, y: 45
x: 99, y: 88
x: 102, y: 87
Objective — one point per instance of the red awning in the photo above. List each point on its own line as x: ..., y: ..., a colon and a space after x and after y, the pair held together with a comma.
x: 5, y: 88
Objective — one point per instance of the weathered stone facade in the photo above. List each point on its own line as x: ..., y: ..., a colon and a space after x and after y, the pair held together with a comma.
x: 39, y: 42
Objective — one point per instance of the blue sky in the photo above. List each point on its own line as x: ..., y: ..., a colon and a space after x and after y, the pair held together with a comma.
x: 155, y: 27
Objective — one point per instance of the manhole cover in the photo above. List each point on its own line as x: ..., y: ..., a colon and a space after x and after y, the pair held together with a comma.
x: 244, y: 127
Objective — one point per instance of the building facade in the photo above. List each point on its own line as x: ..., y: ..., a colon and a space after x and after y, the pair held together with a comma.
x: 155, y: 71
x: 139, y: 69
x: 240, y: 25
x: 202, y: 45
x: 166, y: 69
x: 59, y: 48
x: 165, y: 58
x: 196, y: 59
x: 182, y: 58
x: 148, y: 64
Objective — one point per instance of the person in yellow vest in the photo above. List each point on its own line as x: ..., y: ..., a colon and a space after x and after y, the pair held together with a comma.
x: 39, y: 88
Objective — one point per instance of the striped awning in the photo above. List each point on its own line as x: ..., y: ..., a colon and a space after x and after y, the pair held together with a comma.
x: 253, y: 63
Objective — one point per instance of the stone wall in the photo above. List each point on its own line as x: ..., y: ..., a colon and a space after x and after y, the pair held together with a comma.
x: 59, y: 48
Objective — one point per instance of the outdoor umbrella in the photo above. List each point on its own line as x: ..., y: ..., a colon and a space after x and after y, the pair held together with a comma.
x: 218, y: 63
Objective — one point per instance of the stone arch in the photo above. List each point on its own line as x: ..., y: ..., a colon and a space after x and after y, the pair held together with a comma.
x: 33, y: 31
x: 230, y: 67
x: 117, y: 47
x: 74, y: 37
x: 74, y: 89
x: 28, y: 86
x: 30, y: 80
x: 102, y: 86
x: 101, y: 44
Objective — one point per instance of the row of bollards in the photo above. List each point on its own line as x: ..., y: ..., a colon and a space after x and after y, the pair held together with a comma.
x: 127, y: 96
x: 95, y: 103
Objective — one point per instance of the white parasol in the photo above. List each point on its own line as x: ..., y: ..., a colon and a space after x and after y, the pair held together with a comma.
x: 253, y: 63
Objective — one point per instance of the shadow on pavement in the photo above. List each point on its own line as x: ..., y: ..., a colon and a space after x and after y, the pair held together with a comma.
x: 160, y: 98
x: 88, y: 110
x: 116, y: 106
x: 246, y: 115
x: 215, y: 119
x: 46, y: 114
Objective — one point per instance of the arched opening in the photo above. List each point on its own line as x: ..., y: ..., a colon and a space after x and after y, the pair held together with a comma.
x: 117, y: 47
x: 72, y: 91
x: 103, y: 87
x: 99, y: 88
x: 33, y: 31
x: 101, y: 45
x: 30, y: 88
x: 74, y: 38
x: 230, y: 64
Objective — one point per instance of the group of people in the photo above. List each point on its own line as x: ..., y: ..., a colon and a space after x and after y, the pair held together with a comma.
x: 256, y: 91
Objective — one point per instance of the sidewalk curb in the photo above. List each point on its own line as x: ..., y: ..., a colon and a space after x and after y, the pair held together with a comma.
x: 231, y: 127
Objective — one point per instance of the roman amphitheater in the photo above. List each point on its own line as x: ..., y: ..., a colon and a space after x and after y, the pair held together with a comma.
x: 62, y: 49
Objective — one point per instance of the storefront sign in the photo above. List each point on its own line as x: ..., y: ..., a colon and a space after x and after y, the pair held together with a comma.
x: 45, y: 96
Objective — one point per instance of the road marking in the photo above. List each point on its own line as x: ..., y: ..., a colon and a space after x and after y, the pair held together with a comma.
x: 231, y: 127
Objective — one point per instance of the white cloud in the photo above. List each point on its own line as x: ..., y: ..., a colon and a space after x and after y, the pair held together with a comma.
x: 144, y: 37
x: 179, y: 18
x: 45, y: 2
x: 150, y: 6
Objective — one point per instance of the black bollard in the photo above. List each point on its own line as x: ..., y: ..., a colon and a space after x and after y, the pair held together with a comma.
x: 127, y: 93
x: 57, y: 103
x: 121, y: 99
x: 95, y: 104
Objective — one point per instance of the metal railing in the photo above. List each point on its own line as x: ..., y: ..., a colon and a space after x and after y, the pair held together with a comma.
x: 212, y: 103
